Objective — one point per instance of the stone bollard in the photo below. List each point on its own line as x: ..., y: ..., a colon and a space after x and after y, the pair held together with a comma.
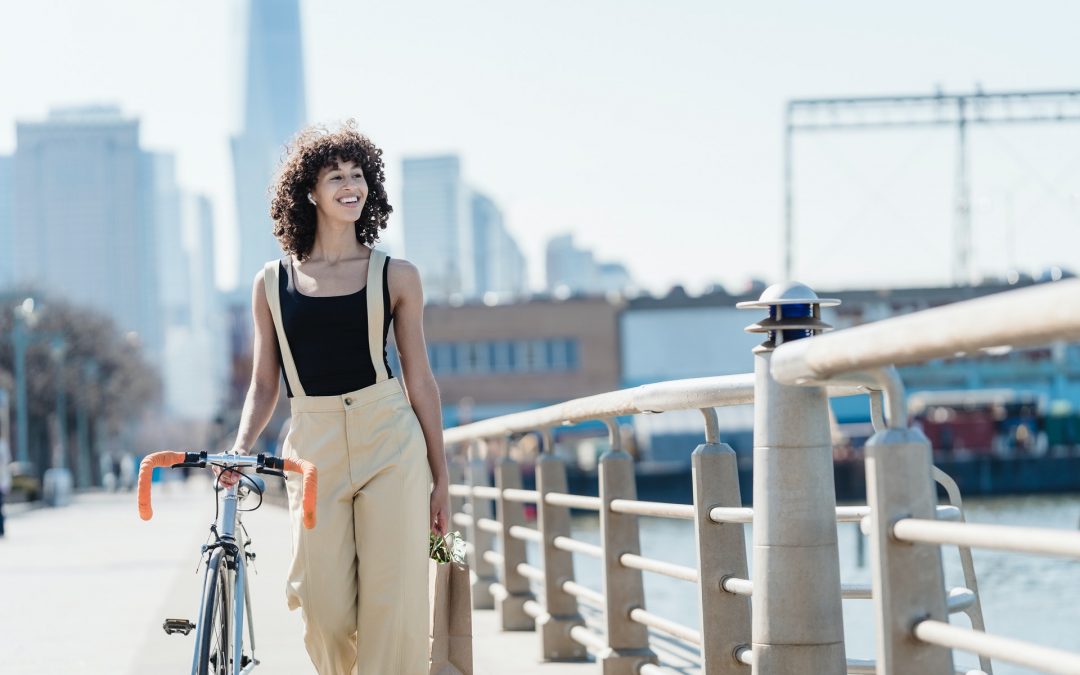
x: 797, y: 624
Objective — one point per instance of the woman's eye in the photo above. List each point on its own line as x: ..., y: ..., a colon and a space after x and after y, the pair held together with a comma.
x: 335, y: 177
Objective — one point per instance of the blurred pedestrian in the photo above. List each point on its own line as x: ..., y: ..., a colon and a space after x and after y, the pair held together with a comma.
x: 5, y: 476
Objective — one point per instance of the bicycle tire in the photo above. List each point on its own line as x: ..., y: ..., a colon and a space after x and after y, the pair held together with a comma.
x: 215, y: 618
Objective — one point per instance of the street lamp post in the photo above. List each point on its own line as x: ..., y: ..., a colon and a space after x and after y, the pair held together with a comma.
x: 59, y: 348
x: 24, y: 319
x: 84, y: 474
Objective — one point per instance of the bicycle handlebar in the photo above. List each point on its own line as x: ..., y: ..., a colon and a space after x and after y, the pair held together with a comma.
x: 263, y: 464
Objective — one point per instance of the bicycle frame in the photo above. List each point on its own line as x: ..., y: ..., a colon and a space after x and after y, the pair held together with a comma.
x: 225, y: 529
x: 232, y: 547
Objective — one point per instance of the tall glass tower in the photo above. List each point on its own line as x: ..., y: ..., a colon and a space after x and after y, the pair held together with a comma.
x: 274, y: 110
x: 438, y: 236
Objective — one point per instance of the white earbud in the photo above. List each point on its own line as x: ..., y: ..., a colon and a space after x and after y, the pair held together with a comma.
x: 310, y: 198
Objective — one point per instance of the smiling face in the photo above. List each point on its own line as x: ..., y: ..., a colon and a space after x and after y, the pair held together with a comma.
x: 340, y: 190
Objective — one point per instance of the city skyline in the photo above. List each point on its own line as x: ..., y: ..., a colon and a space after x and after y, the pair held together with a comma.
x: 558, y: 137
x: 274, y: 105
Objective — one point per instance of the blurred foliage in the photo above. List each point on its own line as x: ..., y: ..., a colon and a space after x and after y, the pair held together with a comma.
x: 103, y: 369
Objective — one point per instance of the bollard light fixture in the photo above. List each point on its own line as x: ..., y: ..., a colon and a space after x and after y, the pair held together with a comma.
x: 794, y: 313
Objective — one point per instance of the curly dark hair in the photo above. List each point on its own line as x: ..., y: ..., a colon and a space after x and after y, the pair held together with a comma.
x: 315, y: 148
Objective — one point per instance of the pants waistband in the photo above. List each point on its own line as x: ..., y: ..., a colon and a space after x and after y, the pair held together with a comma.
x: 349, y: 400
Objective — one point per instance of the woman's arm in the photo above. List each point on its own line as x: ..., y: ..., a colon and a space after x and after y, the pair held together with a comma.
x: 262, y: 394
x: 420, y: 386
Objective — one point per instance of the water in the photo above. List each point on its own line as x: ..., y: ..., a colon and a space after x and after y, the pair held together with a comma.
x: 1031, y: 598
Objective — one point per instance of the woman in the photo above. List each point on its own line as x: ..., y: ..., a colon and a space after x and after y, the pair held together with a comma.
x: 322, y: 315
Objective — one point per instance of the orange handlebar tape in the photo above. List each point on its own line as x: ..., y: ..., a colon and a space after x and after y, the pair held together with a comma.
x: 310, y: 487
x: 146, y: 470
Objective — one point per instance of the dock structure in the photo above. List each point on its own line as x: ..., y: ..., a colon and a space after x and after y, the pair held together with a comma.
x: 784, y: 618
x: 532, y: 615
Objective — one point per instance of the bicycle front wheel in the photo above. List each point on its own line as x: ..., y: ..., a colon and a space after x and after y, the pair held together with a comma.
x: 212, y: 650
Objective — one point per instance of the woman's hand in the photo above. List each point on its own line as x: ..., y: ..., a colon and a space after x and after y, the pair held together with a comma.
x: 228, y: 478
x: 440, y: 508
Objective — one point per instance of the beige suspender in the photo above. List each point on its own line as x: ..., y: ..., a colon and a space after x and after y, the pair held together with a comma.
x: 375, y: 313
x: 271, y: 274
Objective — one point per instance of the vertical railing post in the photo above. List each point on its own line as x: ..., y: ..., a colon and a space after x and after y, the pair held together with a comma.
x: 721, y: 549
x: 561, y: 608
x: 481, y: 540
x: 628, y: 641
x: 456, y: 473
x: 908, y: 580
x: 511, y: 604
x: 797, y: 624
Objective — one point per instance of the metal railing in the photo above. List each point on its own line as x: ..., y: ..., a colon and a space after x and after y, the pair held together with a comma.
x: 796, y: 626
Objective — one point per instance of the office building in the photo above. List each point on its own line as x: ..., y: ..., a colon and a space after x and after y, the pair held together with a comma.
x: 500, y: 266
x: 439, y: 236
x: 274, y: 110
x: 84, y: 216
x: 7, y: 220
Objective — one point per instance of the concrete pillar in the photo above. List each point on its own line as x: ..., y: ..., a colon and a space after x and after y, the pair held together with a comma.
x: 511, y: 606
x: 562, y: 608
x: 908, y: 581
x: 628, y: 641
x: 797, y: 624
x: 721, y: 547
x: 483, y: 571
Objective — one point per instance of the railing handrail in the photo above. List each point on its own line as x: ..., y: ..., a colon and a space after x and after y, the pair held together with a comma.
x: 1019, y: 539
x: 687, y: 394
x: 1024, y: 317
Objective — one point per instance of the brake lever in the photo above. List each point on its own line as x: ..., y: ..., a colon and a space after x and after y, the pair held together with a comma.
x: 271, y: 472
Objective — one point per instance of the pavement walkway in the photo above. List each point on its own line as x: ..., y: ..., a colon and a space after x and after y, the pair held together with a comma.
x: 85, y: 589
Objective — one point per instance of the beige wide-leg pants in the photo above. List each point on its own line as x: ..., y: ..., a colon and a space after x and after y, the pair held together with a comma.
x: 360, y: 577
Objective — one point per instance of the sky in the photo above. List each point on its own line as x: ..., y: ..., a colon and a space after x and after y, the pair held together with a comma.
x: 651, y: 131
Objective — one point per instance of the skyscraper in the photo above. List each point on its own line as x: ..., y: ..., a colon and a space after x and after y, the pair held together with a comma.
x: 7, y: 220
x: 571, y: 270
x: 84, y: 195
x: 439, y: 237
x: 274, y: 110
x: 500, y: 266
x: 196, y: 361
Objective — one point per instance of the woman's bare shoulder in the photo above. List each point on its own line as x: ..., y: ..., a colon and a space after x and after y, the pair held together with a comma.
x: 403, y: 271
x: 403, y: 278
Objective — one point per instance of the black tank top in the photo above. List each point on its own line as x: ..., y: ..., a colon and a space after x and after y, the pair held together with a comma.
x: 328, y: 337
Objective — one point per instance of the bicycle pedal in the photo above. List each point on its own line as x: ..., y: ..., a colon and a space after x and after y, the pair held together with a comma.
x: 177, y: 626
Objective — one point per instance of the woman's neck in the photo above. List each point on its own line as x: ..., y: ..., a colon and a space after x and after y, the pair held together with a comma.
x: 335, y: 241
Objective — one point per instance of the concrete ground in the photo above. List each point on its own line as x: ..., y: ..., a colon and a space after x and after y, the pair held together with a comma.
x: 85, y: 589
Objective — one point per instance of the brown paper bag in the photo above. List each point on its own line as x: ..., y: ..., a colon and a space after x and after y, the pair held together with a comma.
x: 450, y: 621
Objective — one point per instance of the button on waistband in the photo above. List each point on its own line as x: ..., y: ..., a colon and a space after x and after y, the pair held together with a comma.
x: 348, y: 401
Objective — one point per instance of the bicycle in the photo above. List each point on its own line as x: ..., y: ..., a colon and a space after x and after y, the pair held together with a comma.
x: 219, y: 632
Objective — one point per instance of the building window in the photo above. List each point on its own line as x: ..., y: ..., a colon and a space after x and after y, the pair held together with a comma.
x: 463, y: 362
x: 499, y: 356
x: 442, y: 357
x: 570, y: 347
